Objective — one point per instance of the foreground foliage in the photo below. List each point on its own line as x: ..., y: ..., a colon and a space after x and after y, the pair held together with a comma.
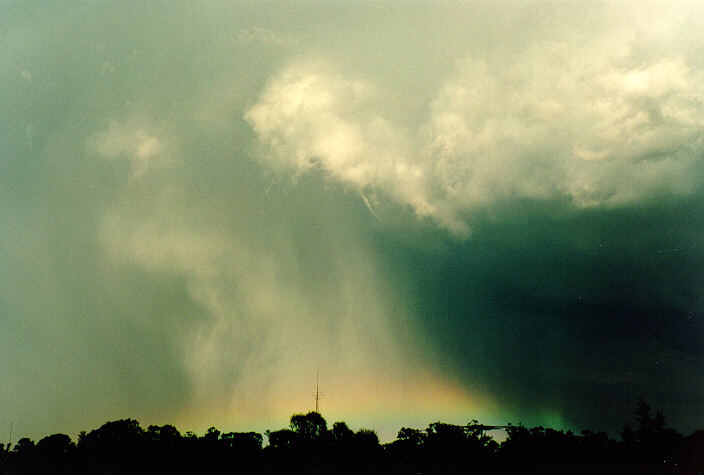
x: 309, y: 446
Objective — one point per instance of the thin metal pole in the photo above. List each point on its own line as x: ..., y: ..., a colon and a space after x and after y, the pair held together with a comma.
x: 317, y: 394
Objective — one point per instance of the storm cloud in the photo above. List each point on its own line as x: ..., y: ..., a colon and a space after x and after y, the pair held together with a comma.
x: 488, y: 211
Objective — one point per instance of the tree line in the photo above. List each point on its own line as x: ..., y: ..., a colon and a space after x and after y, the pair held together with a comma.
x: 309, y: 446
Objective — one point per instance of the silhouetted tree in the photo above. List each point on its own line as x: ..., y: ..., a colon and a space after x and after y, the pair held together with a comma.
x: 341, y: 446
x: 242, y: 450
x: 341, y: 434
x: 309, y: 426
x: 596, y: 450
x: 250, y: 441
x: 413, y: 437
x: 4, y: 458
x: 651, y: 445
x: 24, y: 456
x: 117, y: 447
x: 167, y: 450
x: 405, y: 452
x: 123, y: 447
x: 283, y: 450
x: 366, y: 451
x: 55, y: 454
x: 693, y: 451
x: 283, y: 439
x: 539, y: 448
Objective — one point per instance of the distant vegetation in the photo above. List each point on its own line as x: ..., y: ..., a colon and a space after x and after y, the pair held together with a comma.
x: 310, y: 446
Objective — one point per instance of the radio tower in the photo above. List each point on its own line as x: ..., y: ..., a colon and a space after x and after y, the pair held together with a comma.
x: 317, y: 394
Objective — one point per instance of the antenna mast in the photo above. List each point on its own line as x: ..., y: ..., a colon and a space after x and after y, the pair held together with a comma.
x: 317, y: 394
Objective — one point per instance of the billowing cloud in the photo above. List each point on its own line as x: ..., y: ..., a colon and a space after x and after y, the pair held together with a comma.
x: 596, y: 124
x: 560, y: 121
x: 310, y: 118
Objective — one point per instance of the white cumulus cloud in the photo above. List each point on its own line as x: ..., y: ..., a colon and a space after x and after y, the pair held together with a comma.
x: 601, y: 124
x: 311, y: 118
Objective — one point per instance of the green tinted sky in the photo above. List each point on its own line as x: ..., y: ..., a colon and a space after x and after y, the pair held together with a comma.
x: 450, y: 210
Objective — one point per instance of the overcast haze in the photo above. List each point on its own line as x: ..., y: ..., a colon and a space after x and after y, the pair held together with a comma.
x: 455, y: 211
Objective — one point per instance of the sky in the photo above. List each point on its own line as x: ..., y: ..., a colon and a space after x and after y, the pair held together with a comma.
x: 447, y: 210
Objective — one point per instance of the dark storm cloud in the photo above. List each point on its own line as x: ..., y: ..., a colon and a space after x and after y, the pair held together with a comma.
x: 582, y: 313
x: 567, y: 167
x: 466, y: 210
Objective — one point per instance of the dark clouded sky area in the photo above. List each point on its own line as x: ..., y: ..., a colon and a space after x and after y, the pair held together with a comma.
x: 454, y: 211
